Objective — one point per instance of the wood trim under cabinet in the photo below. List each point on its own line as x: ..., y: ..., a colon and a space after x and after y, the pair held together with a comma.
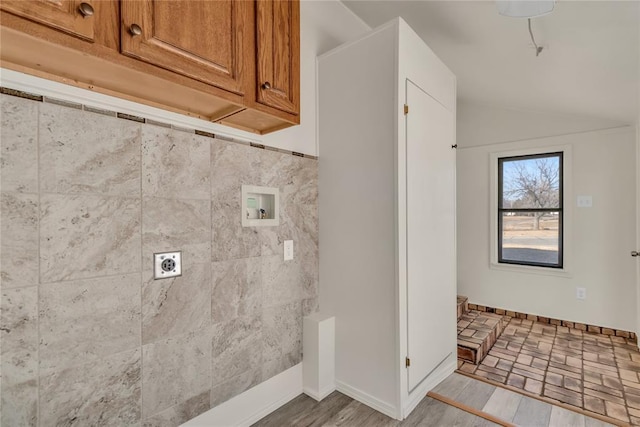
x: 103, y: 76
x: 82, y: 85
x: 247, y: 119
x: 18, y: 34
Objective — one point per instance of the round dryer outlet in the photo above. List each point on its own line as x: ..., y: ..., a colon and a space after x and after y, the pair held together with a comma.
x: 167, y: 264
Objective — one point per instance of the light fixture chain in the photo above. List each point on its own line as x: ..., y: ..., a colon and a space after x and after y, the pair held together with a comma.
x: 538, y: 48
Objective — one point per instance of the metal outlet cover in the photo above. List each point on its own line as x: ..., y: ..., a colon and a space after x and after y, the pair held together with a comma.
x: 167, y: 264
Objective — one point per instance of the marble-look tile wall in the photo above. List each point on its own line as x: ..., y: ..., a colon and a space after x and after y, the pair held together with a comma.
x: 88, y: 337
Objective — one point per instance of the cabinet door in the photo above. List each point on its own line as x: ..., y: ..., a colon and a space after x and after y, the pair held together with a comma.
x: 71, y: 16
x: 278, y: 54
x: 431, y: 268
x: 203, y: 40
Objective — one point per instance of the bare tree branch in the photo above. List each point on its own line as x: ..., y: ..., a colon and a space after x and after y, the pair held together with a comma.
x: 532, y: 184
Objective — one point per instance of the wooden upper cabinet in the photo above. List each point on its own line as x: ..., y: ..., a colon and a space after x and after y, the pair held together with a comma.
x: 235, y: 62
x: 204, y: 40
x: 73, y: 17
x: 278, y: 54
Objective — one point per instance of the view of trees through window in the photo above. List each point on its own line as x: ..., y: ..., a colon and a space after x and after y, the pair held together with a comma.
x: 530, y: 210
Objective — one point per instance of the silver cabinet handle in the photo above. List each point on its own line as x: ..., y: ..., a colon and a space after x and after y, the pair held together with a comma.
x: 266, y: 85
x: 135, y: 30
x: 85, y: 10
x: 635, y: 253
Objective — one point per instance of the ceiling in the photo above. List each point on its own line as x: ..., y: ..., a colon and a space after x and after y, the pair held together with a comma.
x: 589, y: 65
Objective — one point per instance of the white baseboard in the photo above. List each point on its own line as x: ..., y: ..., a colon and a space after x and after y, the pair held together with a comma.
x: 319, y: 395
x: 447, y: 367
x: 254, y: 404
x: 367, y: 399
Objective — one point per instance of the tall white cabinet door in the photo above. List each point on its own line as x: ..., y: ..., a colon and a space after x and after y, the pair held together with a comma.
x: 430, y: 233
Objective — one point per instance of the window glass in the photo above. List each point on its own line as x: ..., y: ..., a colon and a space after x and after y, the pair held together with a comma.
x: 530, y: 210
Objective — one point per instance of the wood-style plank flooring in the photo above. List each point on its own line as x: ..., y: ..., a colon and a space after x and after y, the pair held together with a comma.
x: 339, y: 410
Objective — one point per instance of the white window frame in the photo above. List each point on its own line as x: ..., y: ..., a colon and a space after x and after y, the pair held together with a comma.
x: 567, y: 189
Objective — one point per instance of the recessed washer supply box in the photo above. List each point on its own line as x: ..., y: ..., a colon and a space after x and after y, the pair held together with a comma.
x: 260, y: 206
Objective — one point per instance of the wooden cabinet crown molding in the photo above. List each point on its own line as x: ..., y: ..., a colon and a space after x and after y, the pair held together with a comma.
x: 209, y: 70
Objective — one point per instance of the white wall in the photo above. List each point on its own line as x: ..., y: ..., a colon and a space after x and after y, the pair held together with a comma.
x: 323, y: 25
x: 356, y: 210
x: 603, y: 166
x: 484, y: 124
x: 637, y: 248
x: 638, y: 194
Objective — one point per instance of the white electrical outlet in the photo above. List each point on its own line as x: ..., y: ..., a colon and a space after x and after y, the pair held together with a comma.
x: 288, y: 250
x: 581, y: 293
x: 167, y: 264
x: 585, y: 201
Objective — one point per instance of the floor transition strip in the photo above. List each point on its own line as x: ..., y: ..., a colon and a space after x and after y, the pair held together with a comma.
x: 540, y: 398
x: 469, y: 409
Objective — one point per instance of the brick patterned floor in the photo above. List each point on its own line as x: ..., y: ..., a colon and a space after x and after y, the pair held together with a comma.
x: 599, y: 373
x: 477, y: 333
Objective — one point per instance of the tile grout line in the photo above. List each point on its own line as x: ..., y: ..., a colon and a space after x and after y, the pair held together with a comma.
x: 582, y: 377
x: 553, y: 345
x: 530, y: 331
x: 212, y: 279
x: 141, y: 279
x: 546, y: 369
x: 95, y: 194
x: 79, y: 279
x: 518, y: 408
x: 624, y: 393
x: 39, y: 210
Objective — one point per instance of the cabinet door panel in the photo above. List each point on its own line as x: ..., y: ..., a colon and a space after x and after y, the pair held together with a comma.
x: 278, y: 54
x: 62, y: 15
x: 431, y: 253
x: 200, y: 39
